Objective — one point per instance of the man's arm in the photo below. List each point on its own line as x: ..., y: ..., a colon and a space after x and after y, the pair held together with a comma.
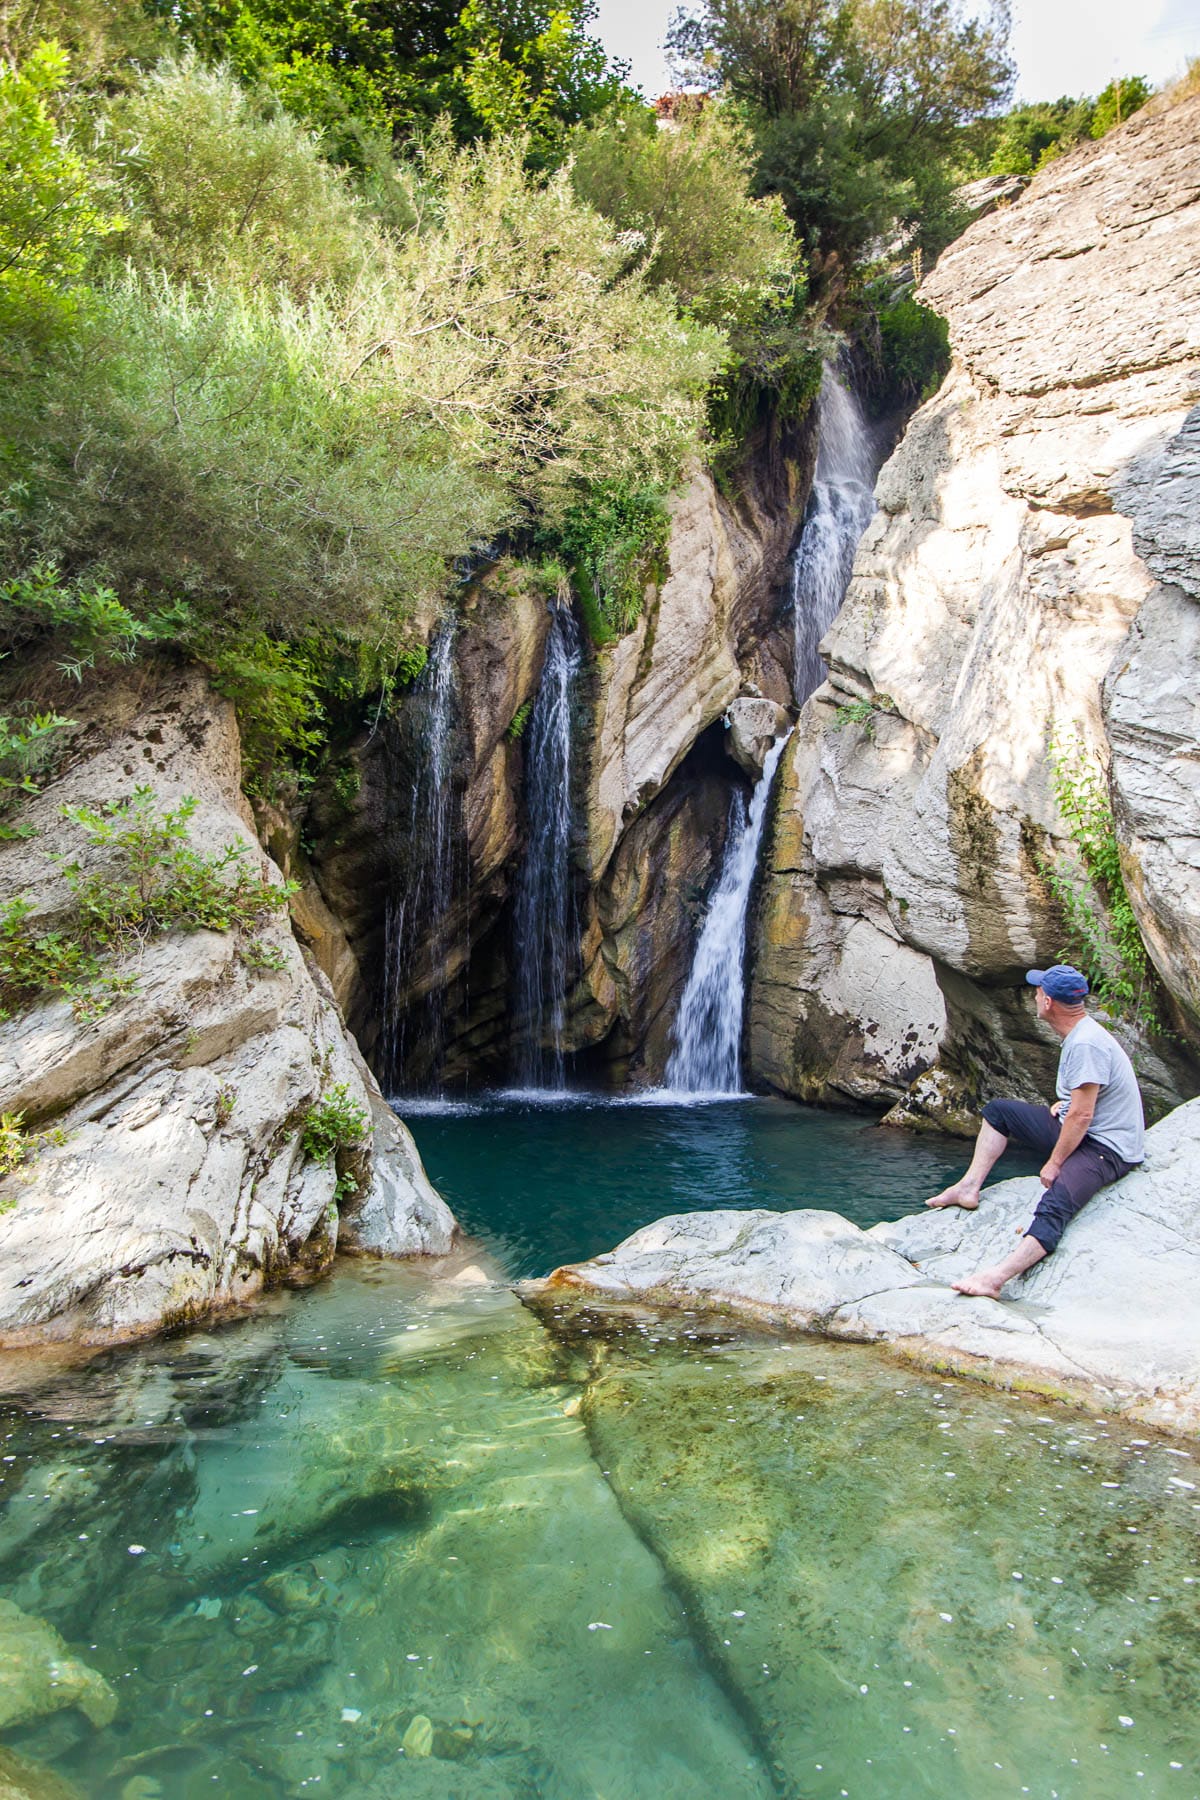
x: 1073, y: 1130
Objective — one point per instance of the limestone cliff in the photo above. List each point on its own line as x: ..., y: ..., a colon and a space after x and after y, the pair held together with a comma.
x: 1033, y: 565
x: 172, y: 1180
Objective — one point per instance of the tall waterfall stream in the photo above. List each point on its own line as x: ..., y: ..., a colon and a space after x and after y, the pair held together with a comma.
x: 706, y: 1056
x: 839, y: 511
x: 544, y: 934
x: 419, y: 907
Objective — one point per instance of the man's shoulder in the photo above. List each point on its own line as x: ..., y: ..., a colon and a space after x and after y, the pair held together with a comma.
x: 1089, y: 1035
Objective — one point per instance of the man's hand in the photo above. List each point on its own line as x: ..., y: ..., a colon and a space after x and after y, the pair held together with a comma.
x: 1056, y: 1111
x: 1080, y: 1108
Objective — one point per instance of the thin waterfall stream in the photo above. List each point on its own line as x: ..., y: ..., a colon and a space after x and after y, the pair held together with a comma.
x: 544, y: 924
x: 417, y: 920
x: 839, y: 511
x: 706, y: 1058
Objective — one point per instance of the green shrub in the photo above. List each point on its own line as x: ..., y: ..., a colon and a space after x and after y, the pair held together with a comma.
x: 914, y: 352
x: 152, y: 881
x: 1103, y: 937
x: 518, y: 722
x: 616, y: 537
x: 50, y: 216
x: 683, y: 200
x: 25, y: 748
x: 18, y: 1147
x: 333, y: 1123
x: 91, y: 621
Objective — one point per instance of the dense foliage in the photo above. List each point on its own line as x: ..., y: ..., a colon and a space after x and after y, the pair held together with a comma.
x: 858, y: 106
x: 1030, y: 136
x: 308, y: 305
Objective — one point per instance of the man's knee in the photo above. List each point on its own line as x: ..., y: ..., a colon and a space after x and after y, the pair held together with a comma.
x: 995, y: 1114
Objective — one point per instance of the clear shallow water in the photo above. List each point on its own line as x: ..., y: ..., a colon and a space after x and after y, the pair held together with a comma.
x: 394, y: 1513
x: 547, y: 1183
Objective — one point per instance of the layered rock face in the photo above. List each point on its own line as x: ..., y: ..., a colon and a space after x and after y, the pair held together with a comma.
x: 651, y: 790
x: 1035, y: 534
x: 175, y: 1181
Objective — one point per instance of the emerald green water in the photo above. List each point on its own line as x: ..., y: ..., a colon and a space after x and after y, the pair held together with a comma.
x: 393, y: 1537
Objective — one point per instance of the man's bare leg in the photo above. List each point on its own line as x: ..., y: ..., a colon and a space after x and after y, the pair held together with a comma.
x: 990, y: 1146
x: 988, y: 1282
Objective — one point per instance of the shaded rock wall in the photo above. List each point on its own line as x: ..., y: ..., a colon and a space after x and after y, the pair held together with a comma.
x: 179, y: 1184
x: 1036, y: 528
x: 652, y: 792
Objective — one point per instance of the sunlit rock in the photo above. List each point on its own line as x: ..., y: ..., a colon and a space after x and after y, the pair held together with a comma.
x: 1028, y: 524
x: 1110, y: 1316
x: 178, y: 1183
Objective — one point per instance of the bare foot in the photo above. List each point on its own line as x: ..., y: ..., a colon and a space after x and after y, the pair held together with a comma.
x: 961, y: 1194
x: 986, y: 1283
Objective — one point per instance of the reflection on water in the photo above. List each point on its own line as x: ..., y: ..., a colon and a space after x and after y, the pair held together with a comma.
x: 391, y: 1537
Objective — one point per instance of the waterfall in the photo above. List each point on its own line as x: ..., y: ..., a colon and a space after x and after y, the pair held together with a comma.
x: 839, y: 512
x: 706, y: 1057
x: 544, y: 926
x: 418, y: 909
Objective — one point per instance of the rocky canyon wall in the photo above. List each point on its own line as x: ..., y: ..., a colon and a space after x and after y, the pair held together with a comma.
x: 173, y: 1177
x: 651, y: 789
x: 1033, y: 568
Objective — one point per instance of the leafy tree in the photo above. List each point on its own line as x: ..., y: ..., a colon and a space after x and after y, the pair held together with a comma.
x: 345, y: 70
x: 1118, y: 102
x: 218, y: 183
x: 107, y: 42
x: 49, y: 216
x: 353, y: 70
x: 682, y: 197
x: 1030, y: 136
x: 530, y: 65
x: 858, y: 105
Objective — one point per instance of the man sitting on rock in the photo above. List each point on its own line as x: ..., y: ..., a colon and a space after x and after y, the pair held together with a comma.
x: 1092, y: 1135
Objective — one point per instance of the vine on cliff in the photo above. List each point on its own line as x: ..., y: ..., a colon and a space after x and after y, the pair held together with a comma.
x: 1103, y: 937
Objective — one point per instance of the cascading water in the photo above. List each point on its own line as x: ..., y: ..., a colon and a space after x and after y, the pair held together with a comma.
x: 418, y: 909
x: 839, y: 512
x: 708, y: 1030
x: 706, y: 1058
x: 544, y: 926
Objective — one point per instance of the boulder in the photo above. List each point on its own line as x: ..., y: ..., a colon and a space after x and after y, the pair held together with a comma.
x: 1035, y: 531
x: 753, y: 723
x: 1109, y: 1318
x: 39, y: 1675
x: 173, y: 1179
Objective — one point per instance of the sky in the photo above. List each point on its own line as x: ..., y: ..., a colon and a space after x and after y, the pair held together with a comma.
x: 1060, y: 46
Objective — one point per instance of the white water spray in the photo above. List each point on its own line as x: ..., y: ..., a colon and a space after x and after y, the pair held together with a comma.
x: 706, y: 1058
x: 544, y: 924
x: 840, y: 510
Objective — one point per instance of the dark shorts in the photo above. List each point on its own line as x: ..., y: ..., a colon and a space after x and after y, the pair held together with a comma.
x: 1090, y: 1166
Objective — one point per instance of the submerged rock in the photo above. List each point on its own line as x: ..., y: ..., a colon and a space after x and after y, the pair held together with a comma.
x: 1110, y: 1317
x: 24, y: 1780
x: 39, y: 1675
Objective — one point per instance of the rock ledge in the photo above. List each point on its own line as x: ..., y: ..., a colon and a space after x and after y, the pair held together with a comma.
x: 1110, y: 1319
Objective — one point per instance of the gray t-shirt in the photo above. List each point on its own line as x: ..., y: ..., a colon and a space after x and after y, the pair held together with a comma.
x: 1090, y: 1053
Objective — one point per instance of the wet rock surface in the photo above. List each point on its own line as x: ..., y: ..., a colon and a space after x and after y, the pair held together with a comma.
x: 1109, y: 1316
x: 1033, y: 532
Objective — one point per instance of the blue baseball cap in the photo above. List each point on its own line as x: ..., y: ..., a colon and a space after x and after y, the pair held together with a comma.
x: 1062, y: 982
